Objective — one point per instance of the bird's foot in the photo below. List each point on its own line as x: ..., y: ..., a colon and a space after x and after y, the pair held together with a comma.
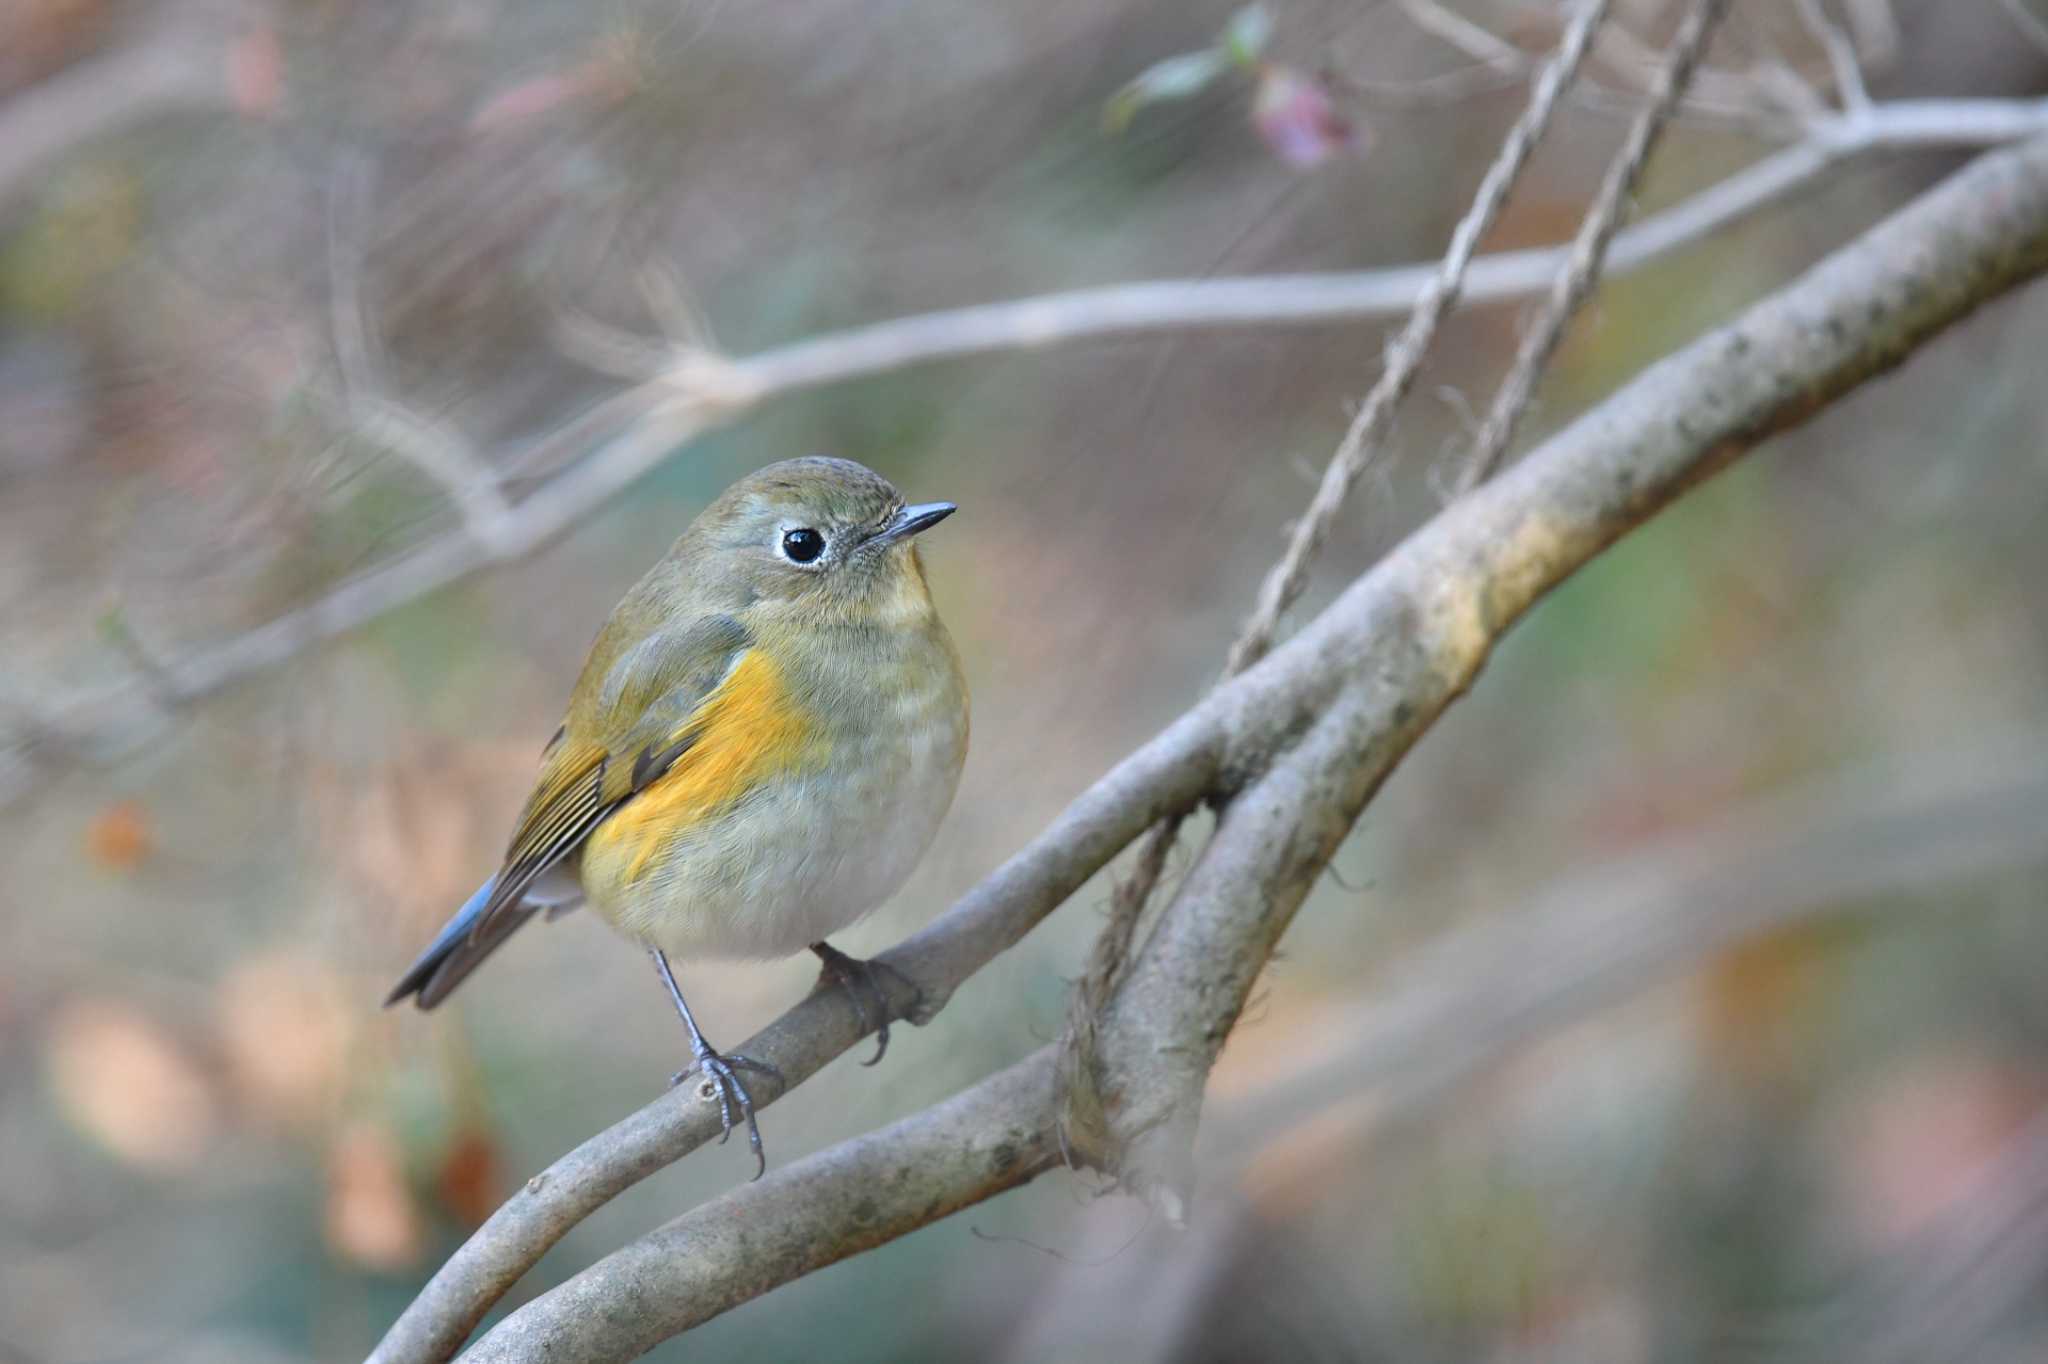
x: 862, y: 983
x: 722, y: 1082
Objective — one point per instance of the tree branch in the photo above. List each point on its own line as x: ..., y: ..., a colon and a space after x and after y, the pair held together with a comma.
x: 852, y: 1197
x: 639, y: 427
x: 1302, y: 738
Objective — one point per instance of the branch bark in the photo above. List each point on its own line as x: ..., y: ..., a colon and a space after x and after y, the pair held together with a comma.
x: 1295, y: 745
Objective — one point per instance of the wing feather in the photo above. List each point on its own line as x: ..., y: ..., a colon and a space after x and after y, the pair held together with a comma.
x: 641, y: 726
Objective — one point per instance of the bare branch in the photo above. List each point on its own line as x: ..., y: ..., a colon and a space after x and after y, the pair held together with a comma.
x: 101, y: 95
x: 1730, y: 94
x: 1474, y: 40
x: 444, y: 455
x: 1359, y: 684
x: 1841, y: 54
x: 1875, y: 27
x: 1589, y: 248
x: 835, y: 1203
x: 435, y: 448
x: 638, y: 428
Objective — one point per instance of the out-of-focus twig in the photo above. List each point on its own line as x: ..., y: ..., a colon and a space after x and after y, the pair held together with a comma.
x: 2032, y: 25
x: 1977, y: 1269
x: 604, y: 449
x: 1875, y: 26
x: 1749, y: 99
x: 1963, y: 1289
x: 1461, y: 1004
x: 1347, y: 697
x: 443, y: 454
x: 101, y: 95
x: 1841, y: 54
x: 435, y: 448
x: 1474, y: 40
x: 1589, y: 248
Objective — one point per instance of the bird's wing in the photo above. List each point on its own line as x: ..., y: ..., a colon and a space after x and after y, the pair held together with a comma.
x: 641, y: 721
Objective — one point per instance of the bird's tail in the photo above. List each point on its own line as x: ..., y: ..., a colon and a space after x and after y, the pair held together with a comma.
x: 454, y: 953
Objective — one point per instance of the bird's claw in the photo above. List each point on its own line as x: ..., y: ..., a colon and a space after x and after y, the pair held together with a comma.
x: 855, y: 976
x: 722, y: 1081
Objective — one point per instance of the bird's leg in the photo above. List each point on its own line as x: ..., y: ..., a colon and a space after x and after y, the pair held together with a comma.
x: 856, y: 976
x: 721, y: 1072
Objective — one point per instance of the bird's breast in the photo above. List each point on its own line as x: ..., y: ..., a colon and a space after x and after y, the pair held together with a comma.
x: 799, y: 811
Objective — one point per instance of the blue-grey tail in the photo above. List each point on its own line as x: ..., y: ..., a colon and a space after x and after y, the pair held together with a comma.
x: 455, y: 952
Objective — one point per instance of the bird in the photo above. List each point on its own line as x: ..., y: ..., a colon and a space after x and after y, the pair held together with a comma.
x: 761, y: 745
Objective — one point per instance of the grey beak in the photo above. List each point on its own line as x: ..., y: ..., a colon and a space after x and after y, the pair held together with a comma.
x: 912, y: 520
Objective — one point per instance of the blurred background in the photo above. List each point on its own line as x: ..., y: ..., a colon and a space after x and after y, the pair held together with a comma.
x: 1680, y: 997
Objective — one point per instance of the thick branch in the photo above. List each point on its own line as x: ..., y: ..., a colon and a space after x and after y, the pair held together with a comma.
x: 638, y: 428
x: 821, y: 1209
x: 1394, y: 650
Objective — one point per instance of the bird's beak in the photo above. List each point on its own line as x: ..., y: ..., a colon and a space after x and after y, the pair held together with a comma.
x: 912, y: 520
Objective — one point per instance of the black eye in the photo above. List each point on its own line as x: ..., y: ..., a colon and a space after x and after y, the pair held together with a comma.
x: 802, y: 544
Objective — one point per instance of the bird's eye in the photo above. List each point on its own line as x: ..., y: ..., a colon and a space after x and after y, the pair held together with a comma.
x: 802, y: 545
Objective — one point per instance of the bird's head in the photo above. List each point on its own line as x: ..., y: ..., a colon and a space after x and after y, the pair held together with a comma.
x: 815, y: 532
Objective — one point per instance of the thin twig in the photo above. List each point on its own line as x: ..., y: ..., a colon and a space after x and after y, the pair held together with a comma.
x: 1404, y: 357
x: 1475, y: 41
x: 1589, y: 248
x: 2032, y: 25
x: 1841, y: 54
x: 435, y: 448
x: 1876, y: 29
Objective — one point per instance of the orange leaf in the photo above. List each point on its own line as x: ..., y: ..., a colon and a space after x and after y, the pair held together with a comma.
x: 471, y: 1184
x: 371, y: 1219
x: 125, y: 1083
x: 120, y: 836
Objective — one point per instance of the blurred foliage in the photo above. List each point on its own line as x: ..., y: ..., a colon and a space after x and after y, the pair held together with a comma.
x: 213, y: 1147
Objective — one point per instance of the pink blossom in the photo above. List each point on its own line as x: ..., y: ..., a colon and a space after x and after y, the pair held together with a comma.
x: 1295, y: 117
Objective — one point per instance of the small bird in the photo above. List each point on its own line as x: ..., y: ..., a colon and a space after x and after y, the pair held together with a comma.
x: 762, y: 743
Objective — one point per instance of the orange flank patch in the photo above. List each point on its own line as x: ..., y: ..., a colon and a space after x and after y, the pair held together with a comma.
x: 747, y: 730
